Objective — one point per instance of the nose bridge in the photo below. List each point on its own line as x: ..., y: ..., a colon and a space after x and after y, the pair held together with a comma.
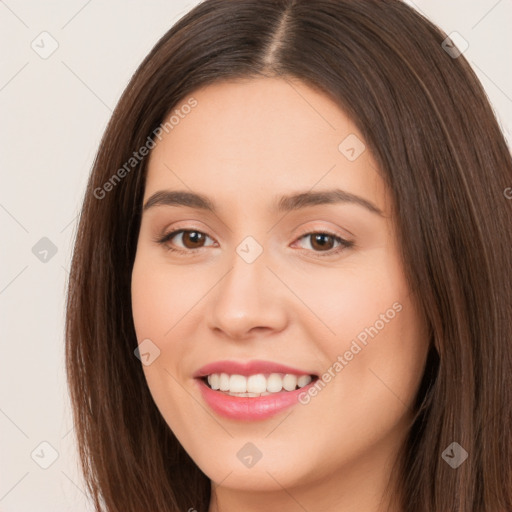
x: 246, y: 296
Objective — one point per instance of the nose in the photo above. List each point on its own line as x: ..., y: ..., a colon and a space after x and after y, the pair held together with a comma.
x: 249, y: 299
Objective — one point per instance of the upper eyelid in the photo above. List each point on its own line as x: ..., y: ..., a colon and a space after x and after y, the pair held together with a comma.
x: 188, y: 227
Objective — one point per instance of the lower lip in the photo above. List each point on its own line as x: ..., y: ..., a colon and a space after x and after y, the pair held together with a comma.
x: 250, y: 408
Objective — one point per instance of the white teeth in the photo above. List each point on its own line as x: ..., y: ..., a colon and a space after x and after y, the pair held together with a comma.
x: 214, y: 381
x: 274, y: 383
x: 258, y: 384
x: 303, y: 380
x: 290, y: 382
x: 224, y: 382
x: 238, y: 384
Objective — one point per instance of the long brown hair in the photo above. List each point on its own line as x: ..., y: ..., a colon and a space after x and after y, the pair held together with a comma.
x: 427, y: 121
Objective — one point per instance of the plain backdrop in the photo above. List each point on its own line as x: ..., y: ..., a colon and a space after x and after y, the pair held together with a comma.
x: 54, y: 109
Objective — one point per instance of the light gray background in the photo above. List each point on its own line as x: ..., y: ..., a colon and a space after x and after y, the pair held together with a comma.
x: 53, y: 114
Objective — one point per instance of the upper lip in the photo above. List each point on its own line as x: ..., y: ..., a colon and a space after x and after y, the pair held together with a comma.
x: 247, y: 368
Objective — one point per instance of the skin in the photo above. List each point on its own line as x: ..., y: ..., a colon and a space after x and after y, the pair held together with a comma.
x: 244, y: 144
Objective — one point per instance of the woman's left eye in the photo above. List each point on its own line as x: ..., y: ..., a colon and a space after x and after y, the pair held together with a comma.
x: 320, y: 241
x: 325, y: 240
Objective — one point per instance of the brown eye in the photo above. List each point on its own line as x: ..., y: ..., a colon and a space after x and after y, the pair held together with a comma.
x: 322, y: 241
x: 326, y: 244
x: 190, y: 239
x: 193, y: 239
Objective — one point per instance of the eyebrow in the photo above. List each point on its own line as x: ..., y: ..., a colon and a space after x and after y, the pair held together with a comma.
x: 283, y: 204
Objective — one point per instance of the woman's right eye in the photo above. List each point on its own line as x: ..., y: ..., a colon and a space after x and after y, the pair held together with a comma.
x: 190, y: 238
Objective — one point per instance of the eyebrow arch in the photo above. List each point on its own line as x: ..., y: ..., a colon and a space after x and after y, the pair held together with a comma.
x: 284, y: 204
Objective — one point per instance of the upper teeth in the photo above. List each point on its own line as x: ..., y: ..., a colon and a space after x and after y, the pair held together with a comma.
x: 259, y: 383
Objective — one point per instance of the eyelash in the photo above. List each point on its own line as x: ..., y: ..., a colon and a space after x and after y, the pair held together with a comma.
x: 344, y: 244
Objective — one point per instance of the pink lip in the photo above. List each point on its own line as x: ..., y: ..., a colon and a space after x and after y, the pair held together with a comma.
x: 247, y: 368
x: 247, y: 408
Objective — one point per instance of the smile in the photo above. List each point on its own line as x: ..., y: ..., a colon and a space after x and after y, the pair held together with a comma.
x: 256, y: 385
x: 251, y: 391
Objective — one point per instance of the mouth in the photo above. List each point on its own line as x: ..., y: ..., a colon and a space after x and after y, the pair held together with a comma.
x: 253, y: 397
x: 256, y: 385
x: 252, y: 391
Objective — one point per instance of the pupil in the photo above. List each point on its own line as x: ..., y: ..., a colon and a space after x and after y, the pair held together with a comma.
x: 194, y: 236
x: 320, y: 239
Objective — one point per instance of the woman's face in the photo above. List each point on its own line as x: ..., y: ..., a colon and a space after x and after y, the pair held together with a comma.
x: 249, y: 282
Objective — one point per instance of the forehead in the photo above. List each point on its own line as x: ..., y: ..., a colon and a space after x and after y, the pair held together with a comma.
x: 249, y: 136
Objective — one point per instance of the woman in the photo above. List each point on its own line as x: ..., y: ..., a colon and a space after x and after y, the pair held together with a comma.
x: 296, y: 223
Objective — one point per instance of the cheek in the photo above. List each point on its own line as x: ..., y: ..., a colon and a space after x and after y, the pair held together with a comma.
x: 351, y: 298
x: 379, y: 348
x: 160, y: 298
x: 372, y: 341
x: 162, y: 295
